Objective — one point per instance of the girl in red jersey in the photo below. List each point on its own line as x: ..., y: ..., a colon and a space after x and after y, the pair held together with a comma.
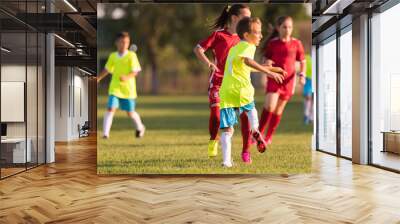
x: 220, y: 41
x: 281, y: 50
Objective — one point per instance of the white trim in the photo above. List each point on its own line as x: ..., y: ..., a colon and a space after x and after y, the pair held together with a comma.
x: 70, y: 5
x: 5, y: 50
x: 199, y: 46
x: 84, y: 71
x: 121, y: 56
x: 64, y: 40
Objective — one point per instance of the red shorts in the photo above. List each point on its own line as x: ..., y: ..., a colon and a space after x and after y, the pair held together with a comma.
x: 213, y: 89
x: 285, y: 90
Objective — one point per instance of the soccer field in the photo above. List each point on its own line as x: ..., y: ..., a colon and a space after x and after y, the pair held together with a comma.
x: 177, y: 136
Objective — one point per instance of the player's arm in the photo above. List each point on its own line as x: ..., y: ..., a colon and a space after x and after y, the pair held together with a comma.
x: 264, y: 69
x: 200, y: 54
x: 300, y: 57
x: 268, y: 63
x: 128, y: 76
x: 132, y: 74
x: 302, y: 73
x: 102, y: 74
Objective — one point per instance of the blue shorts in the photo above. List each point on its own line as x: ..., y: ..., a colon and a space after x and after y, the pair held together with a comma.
x: 307, y: 89
x: 123, y: 104
x: 228, y: 117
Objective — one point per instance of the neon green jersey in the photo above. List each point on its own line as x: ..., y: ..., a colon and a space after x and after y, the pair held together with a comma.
x: 308, y: 66
x: 236, y: 89
x: 122, y: 65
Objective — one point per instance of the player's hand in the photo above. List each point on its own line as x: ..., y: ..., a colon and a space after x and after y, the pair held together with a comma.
x: 124, y: 78
x: 277, y: 77
x: 302, y: 80
x: 280, y: 70
x: 98, y: 80
x: 213, y: 67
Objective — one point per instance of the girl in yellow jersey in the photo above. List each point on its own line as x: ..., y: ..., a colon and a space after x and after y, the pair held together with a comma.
x: 237, y: 92
x: 124, y: 67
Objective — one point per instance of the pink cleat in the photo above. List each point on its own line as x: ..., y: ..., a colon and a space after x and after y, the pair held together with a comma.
x: 246, y: 157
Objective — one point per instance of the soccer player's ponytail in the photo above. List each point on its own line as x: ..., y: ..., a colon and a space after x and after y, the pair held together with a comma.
x: 226, y: 14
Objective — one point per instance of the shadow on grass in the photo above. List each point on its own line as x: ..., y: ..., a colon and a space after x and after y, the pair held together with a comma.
x: 291, y: 123
x: 174, y: 122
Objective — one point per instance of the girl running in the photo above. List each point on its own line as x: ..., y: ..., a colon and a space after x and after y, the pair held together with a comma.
x: 281, y: 50
x: 220, y: 41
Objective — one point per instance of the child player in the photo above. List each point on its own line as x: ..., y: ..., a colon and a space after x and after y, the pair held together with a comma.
x: 220, y: 41
x: 237, y: 92
x: 124, y: 67
x: 282, y: 50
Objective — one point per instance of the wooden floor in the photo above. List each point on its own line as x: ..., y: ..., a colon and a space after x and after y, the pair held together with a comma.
x: 69, y: 191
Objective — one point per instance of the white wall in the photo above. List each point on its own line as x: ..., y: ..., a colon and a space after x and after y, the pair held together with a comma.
x: 12, y: 73
x: 71, y: 94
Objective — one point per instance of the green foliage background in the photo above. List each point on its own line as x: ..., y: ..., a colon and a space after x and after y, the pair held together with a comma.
x: 167, y: 33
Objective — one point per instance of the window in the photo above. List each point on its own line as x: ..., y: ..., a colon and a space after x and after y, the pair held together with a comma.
x: 385, y: 88
x: 327, y: 95
x: 346, y: 92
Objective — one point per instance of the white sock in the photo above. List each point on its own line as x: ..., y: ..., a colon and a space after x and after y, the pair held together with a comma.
x: 311, y: 113
x: 108, y: 119
x: 253, y: 119
x: 136, y: 120
x: 306, y: 109
x: 226, y: 138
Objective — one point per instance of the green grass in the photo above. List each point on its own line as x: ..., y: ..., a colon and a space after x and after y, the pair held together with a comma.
x: 177, y: 136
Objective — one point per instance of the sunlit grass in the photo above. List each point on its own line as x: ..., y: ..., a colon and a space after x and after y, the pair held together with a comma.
x: 177, y: 136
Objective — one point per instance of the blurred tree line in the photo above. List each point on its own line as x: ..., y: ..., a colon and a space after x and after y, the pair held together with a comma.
x: 166, y: 34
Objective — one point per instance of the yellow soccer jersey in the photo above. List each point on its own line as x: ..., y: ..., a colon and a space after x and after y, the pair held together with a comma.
x: 122, y: 65
x: 236, y: 89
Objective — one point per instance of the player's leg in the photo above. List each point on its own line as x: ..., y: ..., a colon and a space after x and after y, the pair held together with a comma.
x: 129, y: 106
x: 307, y: 93
x: 214, y: 120
x: 254, y: 125
x: 275, y: 119
x: 271, y: 101
x: 246, y: 137
x: 112, y: 105
x: 228, y: 120
x: 226, y: 145
x: 246, y: 132
x: 312, y: 109
x: 307, y: 109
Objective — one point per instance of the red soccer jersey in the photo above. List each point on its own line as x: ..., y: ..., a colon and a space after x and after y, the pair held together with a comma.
x: 220, y: 42
x: 285, y: 54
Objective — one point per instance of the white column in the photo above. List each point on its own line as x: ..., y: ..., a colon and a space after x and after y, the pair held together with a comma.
x: 50, y: 92
x: 50, y: 101
x: 360, y: 90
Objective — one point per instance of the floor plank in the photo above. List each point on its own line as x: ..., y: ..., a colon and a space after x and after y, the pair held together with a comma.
x: 70, y: 191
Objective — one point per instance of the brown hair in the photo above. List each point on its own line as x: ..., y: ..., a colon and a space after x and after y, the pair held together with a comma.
x: 275, y: 33
x: 244, y: 25
x: 226, y: 14
x: 122, y: 35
